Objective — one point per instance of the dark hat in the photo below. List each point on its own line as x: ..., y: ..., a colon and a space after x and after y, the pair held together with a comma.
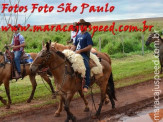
x: 83, y: 22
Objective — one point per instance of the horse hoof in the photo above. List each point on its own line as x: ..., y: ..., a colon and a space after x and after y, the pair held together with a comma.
x: 73, y: 119
x: 4, y: 102
x: 10, y: 102
x: 57, y: 114
x: 28, y: 101
x: 94, y: 117
x: 54, y: 97
x: 66, y: 120
x: 86, y: 110
x: 8, y: 107
x: 106, y: 102
x: 113, y: 107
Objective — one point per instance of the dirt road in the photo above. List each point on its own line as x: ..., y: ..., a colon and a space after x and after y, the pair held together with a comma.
x: 130, y: 99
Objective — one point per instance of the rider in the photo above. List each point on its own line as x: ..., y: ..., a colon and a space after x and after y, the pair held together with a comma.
x: 17, y: 44
x: 75, y: 32
x: 83, y: 44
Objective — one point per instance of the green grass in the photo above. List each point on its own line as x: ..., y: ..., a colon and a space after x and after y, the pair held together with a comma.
x: 111, y: 44
x: 132, y: 65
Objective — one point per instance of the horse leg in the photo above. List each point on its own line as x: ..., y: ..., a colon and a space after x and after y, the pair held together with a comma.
x: 6, y: 84
x: 103, y: 96
x: 85, y: 101
x: 70, y: 116
x: 111, y: 98
x: 3, y: 101
x: 46, y: 78
x: 34, y: 85
x: 57, y: 113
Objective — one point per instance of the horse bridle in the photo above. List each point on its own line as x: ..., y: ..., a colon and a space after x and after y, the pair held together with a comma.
x: 47, y: 56
x: 48, y: 53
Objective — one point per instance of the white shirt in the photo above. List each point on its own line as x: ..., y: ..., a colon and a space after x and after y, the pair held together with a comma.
x: 73, y: 35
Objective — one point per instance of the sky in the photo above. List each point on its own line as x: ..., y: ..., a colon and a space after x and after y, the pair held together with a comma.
x: 124, y: 9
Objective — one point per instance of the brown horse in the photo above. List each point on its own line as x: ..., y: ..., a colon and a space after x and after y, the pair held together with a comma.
x: 5, y: 76
x: 68, y: 82
x: 158, y: 43
x: 105, y: 56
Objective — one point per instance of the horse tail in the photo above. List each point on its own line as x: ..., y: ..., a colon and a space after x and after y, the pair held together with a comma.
x: 111, y: 87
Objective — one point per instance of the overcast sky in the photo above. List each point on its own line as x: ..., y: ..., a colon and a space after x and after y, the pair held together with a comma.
x: 124, y: 9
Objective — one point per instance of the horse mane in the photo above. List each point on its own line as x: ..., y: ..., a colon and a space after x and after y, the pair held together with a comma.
x: 60, y: 47
x: 59, y: 53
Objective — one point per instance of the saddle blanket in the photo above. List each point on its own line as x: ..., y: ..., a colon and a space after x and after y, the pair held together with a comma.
x: 28, y: 60
x: 78, y: 63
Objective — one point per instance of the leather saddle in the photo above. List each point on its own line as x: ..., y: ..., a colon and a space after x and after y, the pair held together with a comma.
x: 10, y: 56
x: 93, y: 64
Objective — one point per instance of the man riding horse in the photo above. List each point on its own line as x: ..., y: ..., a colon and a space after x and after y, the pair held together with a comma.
x: 17, y: 44
x: 74, y: 33
x: 82, y: 45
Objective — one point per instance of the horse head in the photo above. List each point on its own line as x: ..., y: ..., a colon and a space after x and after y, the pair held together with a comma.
x: 152, y: 37
x: 42, y: 59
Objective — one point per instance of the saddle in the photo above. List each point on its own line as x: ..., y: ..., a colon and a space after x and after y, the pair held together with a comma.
x: 10, y: 58
x: 77, y: 62
x: 93, y: 64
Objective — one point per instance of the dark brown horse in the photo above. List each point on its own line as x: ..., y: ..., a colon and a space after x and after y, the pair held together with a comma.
x: 68, y: 82
x: 5, y: 76
x: 158, y: 43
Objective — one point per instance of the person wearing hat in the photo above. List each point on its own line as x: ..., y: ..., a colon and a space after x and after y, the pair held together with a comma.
x: 75, y: 32
x: 82, y: 45
x: 17, y: 44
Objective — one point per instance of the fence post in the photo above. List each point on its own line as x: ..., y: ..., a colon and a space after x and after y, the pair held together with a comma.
x: 142, y: 35
x: 100, y: 44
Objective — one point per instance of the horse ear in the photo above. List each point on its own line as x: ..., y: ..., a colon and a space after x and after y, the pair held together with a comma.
x: 47, y: 46
x: 50, y: 42
x: 43, y: 44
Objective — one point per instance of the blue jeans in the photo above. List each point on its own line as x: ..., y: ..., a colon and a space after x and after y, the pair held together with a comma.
x: 87, y: 75
x: 17, y: 55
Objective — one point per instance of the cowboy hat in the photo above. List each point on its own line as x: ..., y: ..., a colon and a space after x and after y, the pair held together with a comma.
x: 83, y: 22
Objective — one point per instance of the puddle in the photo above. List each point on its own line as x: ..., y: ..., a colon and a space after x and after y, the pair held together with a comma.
x: 146, y: 115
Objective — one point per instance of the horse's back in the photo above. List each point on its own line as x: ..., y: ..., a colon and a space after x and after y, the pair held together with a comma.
x: 33, y: 55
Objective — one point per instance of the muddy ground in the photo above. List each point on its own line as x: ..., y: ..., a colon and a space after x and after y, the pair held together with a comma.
x: 130, y: 99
